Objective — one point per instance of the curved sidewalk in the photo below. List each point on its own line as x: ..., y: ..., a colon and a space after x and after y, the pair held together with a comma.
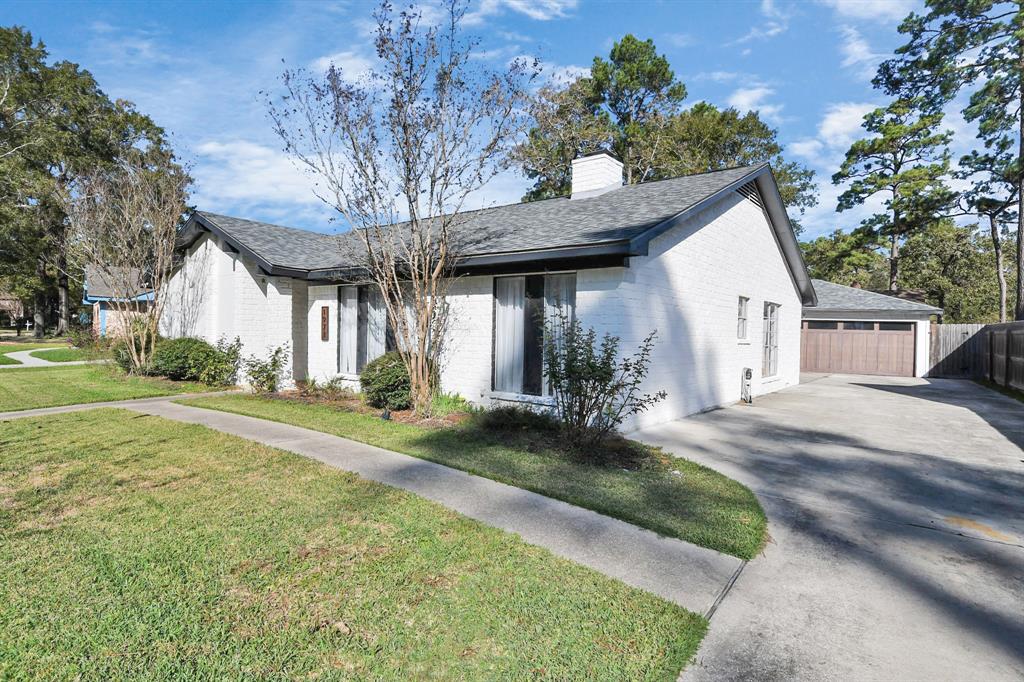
x: 691, y: 576
x: 26, y: 359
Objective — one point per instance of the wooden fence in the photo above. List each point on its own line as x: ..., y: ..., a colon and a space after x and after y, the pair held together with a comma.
x: 978, y: 351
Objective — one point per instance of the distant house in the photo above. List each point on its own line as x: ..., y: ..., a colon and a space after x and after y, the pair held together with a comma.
x: 855, y: 331
x: 708, y: 260
x: 102, y: 295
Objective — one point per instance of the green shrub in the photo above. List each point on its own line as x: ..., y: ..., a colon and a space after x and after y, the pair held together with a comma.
x: 385, y: 383
x: 265, y: 375
x: 445, y: 404
x: 334, y: 388
x: 222, y: 368
x: 182, y: 359
x: 594, y: 386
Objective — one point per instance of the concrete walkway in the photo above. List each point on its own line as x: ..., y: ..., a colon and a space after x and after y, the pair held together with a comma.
x: 896, y: 511
x: 26, y: 359
x: 691, y: 576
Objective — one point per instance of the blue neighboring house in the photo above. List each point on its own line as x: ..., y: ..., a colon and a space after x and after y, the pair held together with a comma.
x: 102, y: 295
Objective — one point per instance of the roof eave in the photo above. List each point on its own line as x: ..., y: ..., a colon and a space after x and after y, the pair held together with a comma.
x: 775, y: 210
x: 198, y: 223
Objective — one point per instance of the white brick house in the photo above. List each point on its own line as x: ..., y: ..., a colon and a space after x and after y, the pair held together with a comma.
x: 710, y: 261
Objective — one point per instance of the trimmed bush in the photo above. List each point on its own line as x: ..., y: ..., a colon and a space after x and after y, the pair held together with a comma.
x: 385, y: 383
x: 266, y: 375
x: 183, y: 359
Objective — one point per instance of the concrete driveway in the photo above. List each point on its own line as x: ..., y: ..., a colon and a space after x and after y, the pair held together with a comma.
x: 896, y: 511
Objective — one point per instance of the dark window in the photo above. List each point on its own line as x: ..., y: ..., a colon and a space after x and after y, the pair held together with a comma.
x: 858, y: 326
x: 895, y: 326
x: 521, y: 305
x: 364, y: 330
x: 822, y: 325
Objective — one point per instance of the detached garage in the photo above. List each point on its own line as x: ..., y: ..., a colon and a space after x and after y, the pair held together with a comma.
x: 853, y: 331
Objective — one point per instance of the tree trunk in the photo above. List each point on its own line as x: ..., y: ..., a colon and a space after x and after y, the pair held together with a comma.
x: 1019, y: 309
x: 63, y: 303
x: 997, y: 247
x: 894, y: 263
x: 39, y: 303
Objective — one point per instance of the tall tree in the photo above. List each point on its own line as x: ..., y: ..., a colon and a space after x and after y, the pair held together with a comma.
x: 631, y: 105
x: 412, y: 140
x: 904, y: 162
x: 977, y: 47
x: 993, y: 197
x: 567, y: 124
x: 62, y: 127
x: 638, y: 92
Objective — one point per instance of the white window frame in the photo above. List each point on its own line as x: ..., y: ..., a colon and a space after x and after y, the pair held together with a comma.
x: 770, y: 341
x: 743, y: 319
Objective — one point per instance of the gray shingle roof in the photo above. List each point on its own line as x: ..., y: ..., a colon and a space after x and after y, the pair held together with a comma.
x: 287, y: 247
x: 98, y: 286
x: 614, y: 216
x: 833, y: 296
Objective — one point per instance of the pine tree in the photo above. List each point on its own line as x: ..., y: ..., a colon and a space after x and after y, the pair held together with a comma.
x: 975, y: 47
x: 904, y: 161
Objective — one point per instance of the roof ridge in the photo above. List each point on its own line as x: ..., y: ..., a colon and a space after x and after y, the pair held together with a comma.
x: 751, y: 167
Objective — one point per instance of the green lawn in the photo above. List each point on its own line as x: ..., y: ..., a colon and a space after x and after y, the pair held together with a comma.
x: 15, y: 346
x: 62, y: 354
x: 696, y: 504
x: 32, y: 387
x: 135, y: 547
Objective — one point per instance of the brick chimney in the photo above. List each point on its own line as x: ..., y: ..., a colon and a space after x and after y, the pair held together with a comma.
x: 594, y: 174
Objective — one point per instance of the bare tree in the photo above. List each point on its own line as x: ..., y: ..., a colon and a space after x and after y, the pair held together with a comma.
x: 123, y: 222
x: 409, y: 140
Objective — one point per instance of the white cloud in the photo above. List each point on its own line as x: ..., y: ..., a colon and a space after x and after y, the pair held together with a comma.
x: 807, y: 148
x: 753, y: 99
x: 352, y: 63
x: 239, y: 172
x: 878, y: 10
x: 841, y: 124
x: 540, y: 10
x: 775, y: 22
x: 857, y: 53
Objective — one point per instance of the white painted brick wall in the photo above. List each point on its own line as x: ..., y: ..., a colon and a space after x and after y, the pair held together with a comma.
x: 240, y: 301
x: 686, y: 288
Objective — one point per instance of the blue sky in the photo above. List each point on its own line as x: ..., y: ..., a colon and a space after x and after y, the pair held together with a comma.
x: 198, y: 68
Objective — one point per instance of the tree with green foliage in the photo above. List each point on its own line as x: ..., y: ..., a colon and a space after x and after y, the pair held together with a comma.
x: 847, y: 258
x: 904, y: 161
x: 56, y: 126
x: 705, y: 138
x: 636, y: 89
x: 975, y: 47
x: 631, y: 105
x: 953, y: 266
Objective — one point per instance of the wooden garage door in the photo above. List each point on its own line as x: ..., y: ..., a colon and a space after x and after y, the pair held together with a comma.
x: 858, y: 347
